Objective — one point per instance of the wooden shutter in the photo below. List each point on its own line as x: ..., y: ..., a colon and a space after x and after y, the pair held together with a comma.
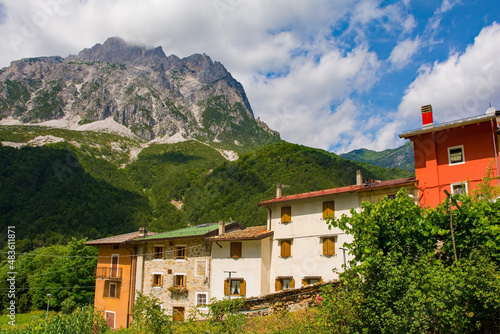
x: 226, y: 287
x: 292, y: 284
x: 328, y: 209
x: 286, y: 249
x: 304, y: 282
x: 328, y: 246
x: 278, y: 286
x: 243, y: 288
x: 286, y: 214
x: 235, y: 249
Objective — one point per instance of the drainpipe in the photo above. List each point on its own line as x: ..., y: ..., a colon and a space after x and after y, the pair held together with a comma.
x: 493, y: 133
x: 268, y: 218
x: 131, y: 284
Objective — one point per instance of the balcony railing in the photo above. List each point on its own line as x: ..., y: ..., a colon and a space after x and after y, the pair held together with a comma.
x: 108, y: 273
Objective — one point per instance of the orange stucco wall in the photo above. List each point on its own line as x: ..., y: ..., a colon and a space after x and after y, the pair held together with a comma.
x: 432, y: 168
x: 121, y: 305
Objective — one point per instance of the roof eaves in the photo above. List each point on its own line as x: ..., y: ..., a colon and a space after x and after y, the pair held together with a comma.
x: 446, y: 125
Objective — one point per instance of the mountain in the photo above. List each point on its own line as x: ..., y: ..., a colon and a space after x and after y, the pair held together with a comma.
x: 56, y: 183
x: 138, y: 91
x: 401, y: 157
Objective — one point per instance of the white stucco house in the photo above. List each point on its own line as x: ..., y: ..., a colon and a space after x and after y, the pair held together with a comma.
x: 304, y: 250
x: 246, y: 256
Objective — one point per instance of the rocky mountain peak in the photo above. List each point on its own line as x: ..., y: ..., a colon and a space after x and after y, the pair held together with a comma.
x: 142, y: 89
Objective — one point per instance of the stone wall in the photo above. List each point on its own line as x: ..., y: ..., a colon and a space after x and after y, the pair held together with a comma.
x: 195, y: 268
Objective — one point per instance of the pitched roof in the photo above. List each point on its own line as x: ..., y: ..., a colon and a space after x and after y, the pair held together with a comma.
x: 341, y: 190
x: 116, y: 239
x: 447, y: 125
x: 200, y: 231
x: 249, y: 233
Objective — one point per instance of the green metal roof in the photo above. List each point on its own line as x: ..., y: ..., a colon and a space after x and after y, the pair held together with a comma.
x: 187, y: 232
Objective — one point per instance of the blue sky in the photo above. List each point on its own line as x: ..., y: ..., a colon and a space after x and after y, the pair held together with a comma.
x: 334, y: 74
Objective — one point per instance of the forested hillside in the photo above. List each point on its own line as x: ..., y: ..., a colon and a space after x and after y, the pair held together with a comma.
x: 87, y: 185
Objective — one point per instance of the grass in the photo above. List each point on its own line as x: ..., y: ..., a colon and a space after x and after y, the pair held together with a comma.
x: 22, y: 318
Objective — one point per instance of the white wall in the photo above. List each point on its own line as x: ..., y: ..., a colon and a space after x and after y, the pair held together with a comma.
x: 307, y: 229
x: 248, y: 267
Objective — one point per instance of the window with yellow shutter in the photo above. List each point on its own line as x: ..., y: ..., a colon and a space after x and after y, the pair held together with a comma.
x: 158, y: 252
x: 179, y: 280
x: 238, y: 287
x: 328, y: 209
x: 286, y: 248
x: 157, y: 280
x: 283, y: 283
x: 286, y: 214
x: 235, y: 249
x: 180, y: 252
x: 329, y: 246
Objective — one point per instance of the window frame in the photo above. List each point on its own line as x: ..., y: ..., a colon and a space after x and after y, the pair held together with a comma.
x: 155, y: 282
x: 158, y: 255
x: 184, y: 279
x: 286, y: 251
x: 286, y: 214
x: 453, y: 185
x: 307, y: 280
x: 450, y: 163
x: 235, y: 249
x: 327, y: 250
x: 328, y: 209
x: 242, y: 286
x: 278, y: 283
x: 176, y: 252
x: 116, y: 290
x: 198, y: 294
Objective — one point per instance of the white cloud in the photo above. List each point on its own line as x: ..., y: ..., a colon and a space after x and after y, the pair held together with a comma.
x: 403, y: 52
x: 461, y: 86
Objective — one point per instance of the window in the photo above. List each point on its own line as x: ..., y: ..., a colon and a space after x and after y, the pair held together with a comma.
x: 283, y: 283
x: 238, y: 287
x: 110, y: 319
x: 112, y: 290
x: 157, y: 280
x: 328, y: 209
x: 179, y: 280
x: 391, y: 197
x: 286, y: 214
x: 180, y: 252
x: 179, y: 313
x: 459, y: 188
x: 235, y: 249
x: 114, y: 265
x: 201, y: 299
x: 456, y: 155
x: 312, y: 280
x: 328, y: 246
x: 286, y: 248
x: 158, y: 252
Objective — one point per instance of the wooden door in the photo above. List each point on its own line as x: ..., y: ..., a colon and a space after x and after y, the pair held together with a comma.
x: 110, y: 319
x: 178, y: 313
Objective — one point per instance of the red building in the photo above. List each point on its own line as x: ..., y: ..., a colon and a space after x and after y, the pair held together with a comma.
x: 454, y: 156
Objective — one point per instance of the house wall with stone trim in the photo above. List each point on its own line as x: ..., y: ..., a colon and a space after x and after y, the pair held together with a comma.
x: 195, y: 268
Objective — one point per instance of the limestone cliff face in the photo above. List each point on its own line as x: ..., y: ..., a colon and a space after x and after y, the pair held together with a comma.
x: 152, y: 94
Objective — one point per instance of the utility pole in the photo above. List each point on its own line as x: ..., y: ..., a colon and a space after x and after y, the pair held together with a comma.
x: 229, y: 290
x: 451, y: 222
x: 48, y: 303
x: 345, y: 262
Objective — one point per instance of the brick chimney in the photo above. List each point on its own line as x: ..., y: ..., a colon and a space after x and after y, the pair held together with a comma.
x: 427, y: 120
x: 359, y: 177
x: 143, y: 232
x: 222, y: 227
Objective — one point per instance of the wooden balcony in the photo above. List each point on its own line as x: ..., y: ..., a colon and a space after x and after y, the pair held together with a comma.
x: 108, y: 273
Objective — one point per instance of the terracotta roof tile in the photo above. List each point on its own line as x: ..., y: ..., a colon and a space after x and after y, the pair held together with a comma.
x: 249, y: 233
x: 341, y: 190
x: 116, y: 239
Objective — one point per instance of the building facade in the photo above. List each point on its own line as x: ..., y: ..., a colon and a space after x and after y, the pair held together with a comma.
x: 245, y: 255
x: 304, y: 249
x: 453, y: 156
